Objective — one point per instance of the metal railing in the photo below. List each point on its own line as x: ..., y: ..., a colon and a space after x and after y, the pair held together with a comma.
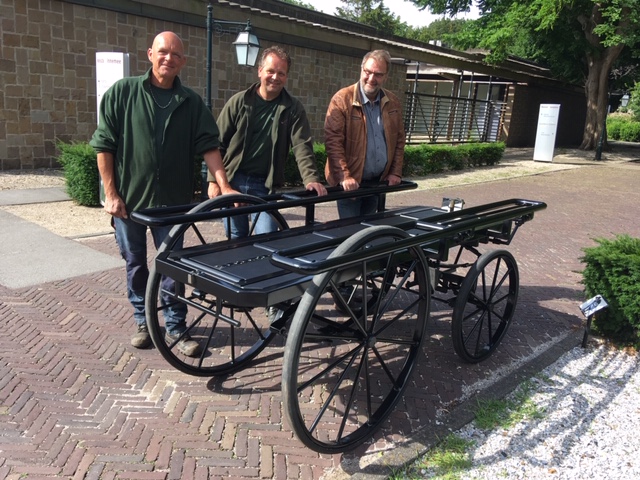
x: 438, y: 119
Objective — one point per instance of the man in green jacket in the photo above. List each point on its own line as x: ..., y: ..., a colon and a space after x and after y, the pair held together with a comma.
x: 258, y: 127
x: 151, y: 127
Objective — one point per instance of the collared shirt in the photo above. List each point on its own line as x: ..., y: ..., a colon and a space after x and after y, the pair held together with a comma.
x: 376, y: 159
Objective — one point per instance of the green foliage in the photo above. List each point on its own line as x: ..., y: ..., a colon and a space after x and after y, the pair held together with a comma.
x: 80, y: 169
x: 373, y: 13
x: 292, y: 176
x: 300, y: 4
x: 634, y: 102
x: 419, y: 160
x: 623, y: 127
x: 425, y: 159
x: 630, y: 132
x: 445, y: 29
x: 448, y: 459
x: 613, y: 271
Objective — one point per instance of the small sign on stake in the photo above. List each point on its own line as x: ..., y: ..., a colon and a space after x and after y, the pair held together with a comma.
x: 588, y: 309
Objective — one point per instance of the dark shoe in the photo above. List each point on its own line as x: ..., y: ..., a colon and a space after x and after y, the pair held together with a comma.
x: 141, y: 339
x: 186, y: 345
x: 274, y: 314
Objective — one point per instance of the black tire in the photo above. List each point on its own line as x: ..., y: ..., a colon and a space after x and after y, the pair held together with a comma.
x: 344, y: 373
x: 485, y: 305
x: 225, y: 347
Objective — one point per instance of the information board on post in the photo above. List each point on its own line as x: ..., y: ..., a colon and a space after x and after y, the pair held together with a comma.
x: 110, y: 67
x: 546, y: 132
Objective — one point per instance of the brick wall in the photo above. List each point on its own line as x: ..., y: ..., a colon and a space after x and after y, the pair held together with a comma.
x: 47, y: 69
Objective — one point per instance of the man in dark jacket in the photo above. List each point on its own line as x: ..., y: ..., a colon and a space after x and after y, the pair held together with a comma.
x: 151, y: 127
x: 364, y: 135
x: 258, y: 127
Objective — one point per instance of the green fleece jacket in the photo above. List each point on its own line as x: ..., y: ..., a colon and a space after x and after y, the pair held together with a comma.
x: 147, y: 176
x: 290, y: 130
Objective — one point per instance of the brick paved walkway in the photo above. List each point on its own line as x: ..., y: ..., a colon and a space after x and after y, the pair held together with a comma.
x: 77, y: 401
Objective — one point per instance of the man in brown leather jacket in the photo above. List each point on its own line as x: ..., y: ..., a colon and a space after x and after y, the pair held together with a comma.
x: 364, y: 135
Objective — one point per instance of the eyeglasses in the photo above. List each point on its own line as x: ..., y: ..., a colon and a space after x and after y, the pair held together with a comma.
x: 376, y: 75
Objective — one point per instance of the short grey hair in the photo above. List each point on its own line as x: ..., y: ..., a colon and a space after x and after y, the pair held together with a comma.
x: 379, y: 56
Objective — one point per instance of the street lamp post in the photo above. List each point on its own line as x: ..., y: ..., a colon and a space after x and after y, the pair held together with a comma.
x: 247, y: 48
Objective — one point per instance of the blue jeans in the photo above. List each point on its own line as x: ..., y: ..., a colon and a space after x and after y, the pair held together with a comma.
x: 250, y: 185
x: 357, y: 207
x: 132, y: 242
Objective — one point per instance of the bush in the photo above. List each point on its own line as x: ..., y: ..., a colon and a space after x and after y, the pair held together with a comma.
x: 613, y: 271
x: 425, y: 159
x: 630, y: 132
x: 80, y: 169
x: 292, y: 176
x: 623, y: 127
x: 614, y: 125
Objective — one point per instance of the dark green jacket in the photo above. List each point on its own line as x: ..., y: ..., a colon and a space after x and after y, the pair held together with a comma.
x: 146, y: 176
x: 290, y: 131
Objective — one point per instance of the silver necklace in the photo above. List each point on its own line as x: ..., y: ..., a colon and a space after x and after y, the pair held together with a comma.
x: 156, y: 101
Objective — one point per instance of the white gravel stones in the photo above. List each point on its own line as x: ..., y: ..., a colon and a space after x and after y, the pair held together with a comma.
x: 589, y: 427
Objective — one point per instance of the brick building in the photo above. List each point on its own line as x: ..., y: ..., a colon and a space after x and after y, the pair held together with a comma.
x: 47, y: 65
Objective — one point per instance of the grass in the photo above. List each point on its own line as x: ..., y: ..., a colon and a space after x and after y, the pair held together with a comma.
x: 446, y: 461
x: 450, y: 457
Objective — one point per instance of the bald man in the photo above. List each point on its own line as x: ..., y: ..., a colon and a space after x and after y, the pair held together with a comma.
x: 151, y: 128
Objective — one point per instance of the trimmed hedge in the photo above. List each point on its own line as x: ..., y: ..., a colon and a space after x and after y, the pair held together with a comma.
x: 623, y: 127
x: 613, y: 271
x: 425, y: 159
x: 81, y: 170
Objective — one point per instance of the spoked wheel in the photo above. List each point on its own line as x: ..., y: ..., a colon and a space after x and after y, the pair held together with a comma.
x: 343, y: 373
x: 485, y: 305
x: 229, y: 336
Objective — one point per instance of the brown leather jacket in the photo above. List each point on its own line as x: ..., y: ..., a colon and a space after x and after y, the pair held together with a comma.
x: 345, y: 135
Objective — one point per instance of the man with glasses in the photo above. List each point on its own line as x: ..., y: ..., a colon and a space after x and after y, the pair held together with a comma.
x: 364, y: 135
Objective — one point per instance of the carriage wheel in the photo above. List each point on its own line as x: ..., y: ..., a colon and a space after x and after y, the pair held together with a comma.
x: 229, y: 336
x: 485, y: 305
x: 343, y: 373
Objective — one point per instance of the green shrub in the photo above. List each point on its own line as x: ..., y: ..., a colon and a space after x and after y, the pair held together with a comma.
x: 614, y: 125
x: 80, y: 169
x: 613, y: 271
x: 623, y: 127
x: 630, y: 132
x: 292, y: 176
x: 425, y: 159
x: 634, y: 102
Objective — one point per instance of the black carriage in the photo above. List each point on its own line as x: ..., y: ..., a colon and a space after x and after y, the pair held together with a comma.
x: 352, y: 297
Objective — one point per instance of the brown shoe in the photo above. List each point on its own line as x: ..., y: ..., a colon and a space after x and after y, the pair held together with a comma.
x: 186, y: 345
x: 141, y: 339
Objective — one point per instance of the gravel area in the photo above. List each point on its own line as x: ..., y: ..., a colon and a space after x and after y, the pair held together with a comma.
x: 589, y: 405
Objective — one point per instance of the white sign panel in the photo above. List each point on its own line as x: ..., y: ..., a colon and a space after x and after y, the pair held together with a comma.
x: 546, y: 132
x: 110, y: 67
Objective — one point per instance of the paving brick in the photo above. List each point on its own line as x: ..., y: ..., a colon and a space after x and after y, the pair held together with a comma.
x: 69, y: 376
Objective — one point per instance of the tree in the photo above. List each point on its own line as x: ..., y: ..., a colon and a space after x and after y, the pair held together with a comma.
x: 444, y: 29
x: 299, y: 4
x: 580, y: 39
x: 373, y: 13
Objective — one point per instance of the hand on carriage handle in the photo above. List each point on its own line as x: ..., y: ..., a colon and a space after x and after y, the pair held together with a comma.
x: 213, y: 190
x: 393, y: 179
x: 349, y: 184
x: 317, y: 187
